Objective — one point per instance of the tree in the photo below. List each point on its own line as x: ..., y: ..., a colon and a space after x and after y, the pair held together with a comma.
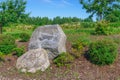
x: 88, y: 19
x: 12, y: 11
x: 113, y: 16
x: 100, y: 7
x: 57, y: 20
x: 75, y: 19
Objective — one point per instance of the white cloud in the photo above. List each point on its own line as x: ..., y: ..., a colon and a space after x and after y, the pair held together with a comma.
x: 65, y: 2
x: 48, y: 1
x: 58, y: 3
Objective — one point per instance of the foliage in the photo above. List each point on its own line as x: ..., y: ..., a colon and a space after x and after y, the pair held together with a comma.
x: 16, y: 35
x: 59, y: 20
x: 7, y: 43
x: 100, y: 7
x: 114, y: 24
x: 77, y: 49
x: 102, y: 28
x: 102, y: 52
x: 72, y: 25
x: 18, y: 51
x: 1, y: 56
x: 113, y: 16
x: 16, y: 30
x: 63, y: 59
x: 88, y: 24
x: 89, y: 19
x: 12, y: 11
x: 45, y: 20
x: 106, y: 28
x: 24, y: 37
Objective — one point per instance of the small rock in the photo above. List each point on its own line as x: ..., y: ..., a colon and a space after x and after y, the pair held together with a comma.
x: 33, y: 60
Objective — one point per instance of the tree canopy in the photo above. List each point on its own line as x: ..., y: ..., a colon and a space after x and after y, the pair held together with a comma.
x: 100, y: 7
x: 12, y: 11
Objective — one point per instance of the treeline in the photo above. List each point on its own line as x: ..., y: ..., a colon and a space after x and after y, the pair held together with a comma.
x: 13, y: 11
x: 56, y: 20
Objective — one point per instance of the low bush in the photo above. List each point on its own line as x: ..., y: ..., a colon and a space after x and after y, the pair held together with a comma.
x: 7, y: 43
x: 102, y: 28
x: 114, y: 24
x: 102, y: 52
x: 24, y: 37
x: 88, y: 24
x: 1, y: 56
x: 77, y: 49
x: 18, y: 51
x: 63, y: 59
x: 6, y: 39
x: 14, y: 34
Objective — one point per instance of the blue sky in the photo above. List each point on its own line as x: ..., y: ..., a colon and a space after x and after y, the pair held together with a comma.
x: 53, y: 8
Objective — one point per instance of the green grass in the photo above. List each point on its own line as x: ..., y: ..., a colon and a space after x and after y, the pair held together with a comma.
x: 74, y: 33
x: 86, y: 34
x: 16, y: 30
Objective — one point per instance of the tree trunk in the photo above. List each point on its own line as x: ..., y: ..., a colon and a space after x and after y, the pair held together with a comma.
x: 101, y: 17
x: 0, y: 29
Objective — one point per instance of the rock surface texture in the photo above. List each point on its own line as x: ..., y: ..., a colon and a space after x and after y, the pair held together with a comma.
x: 33, y: 60
x: 49, y: 37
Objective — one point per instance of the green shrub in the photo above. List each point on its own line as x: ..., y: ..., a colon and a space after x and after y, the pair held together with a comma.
x: 24, y: 37
x: 102, y: 28
x: 6, y: 40
x: 6, y: 49
x: 1, y: 56
x: 102, y: 52
x: 77, y: 49
x: 63, y: 59
x: 7, y: 43
x: 114, y: 24
x: 14, y: 34
x: 18, y: 51
x: 87, y: 24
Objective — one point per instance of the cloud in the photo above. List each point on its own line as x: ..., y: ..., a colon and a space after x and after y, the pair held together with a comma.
x: 48, y: 1
x: 58, y: 3
x: 65, y: 2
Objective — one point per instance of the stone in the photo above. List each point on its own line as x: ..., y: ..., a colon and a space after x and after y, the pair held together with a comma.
x: 49, y: 37
x: 33, y: 60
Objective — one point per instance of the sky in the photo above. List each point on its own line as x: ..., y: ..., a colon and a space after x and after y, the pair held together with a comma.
x: 53, y: 8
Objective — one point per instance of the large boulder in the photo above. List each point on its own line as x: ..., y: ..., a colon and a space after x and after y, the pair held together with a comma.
x: 49, y: 37
x: 33, y: 60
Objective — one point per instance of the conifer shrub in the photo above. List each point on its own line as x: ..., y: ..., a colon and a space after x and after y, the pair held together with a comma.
x: 63, y: 59
x: 24, y: 37
x: 102, y: 52
x: 19, y: 51
x: 1, y: 56
x: 7, y: 43
x: 77, y: 49
x: 102, y: 28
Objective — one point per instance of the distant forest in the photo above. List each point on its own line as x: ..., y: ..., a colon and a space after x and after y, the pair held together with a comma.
x: 13, y: 11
